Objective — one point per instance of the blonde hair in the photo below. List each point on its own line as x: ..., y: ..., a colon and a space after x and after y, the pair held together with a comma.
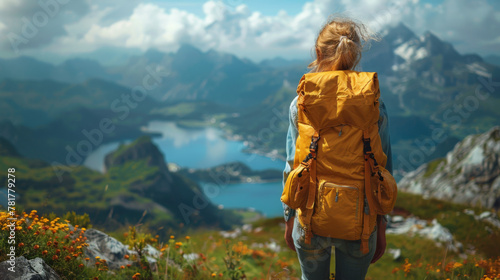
x: 339, y: 45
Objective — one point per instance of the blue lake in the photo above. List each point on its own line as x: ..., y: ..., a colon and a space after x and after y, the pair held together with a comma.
x: 204, y: 148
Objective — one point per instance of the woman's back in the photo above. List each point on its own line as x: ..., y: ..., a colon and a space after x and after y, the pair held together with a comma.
x: 335, y: 109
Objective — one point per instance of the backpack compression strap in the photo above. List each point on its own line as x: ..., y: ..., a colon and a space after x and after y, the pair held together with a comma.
x: 367, y: 150
x: 311, y: 160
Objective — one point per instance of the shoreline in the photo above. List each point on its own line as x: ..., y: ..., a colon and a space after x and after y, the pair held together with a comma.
x: 250, y: 148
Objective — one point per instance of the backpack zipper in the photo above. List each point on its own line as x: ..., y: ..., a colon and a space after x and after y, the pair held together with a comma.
x: 329, y: 185
x: 337, y: 189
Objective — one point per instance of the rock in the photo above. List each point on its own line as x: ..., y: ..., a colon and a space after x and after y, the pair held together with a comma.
x: 396, y: 253
x: 469, y: 212
x: 231, y: 234
x: 414, y: 226
x: 152, y: 254
x: 34, y: 269
x: 191, y: 257
x: 273, y: 246
x: 113, y: 251
x: 485, y: 215
x: 106, y: 247
x: 469, y: 174
x: 437, y: 232
x: 488, y: 216
x: 397, y: 219
x: 247, y: 227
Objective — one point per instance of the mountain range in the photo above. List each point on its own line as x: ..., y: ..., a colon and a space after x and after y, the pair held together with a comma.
x: 425, y: 83
x: 427, y: 86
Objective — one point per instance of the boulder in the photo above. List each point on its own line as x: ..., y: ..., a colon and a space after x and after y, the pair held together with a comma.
x: 24, y: 269
x: 113, y: 251
x: 107, y: 248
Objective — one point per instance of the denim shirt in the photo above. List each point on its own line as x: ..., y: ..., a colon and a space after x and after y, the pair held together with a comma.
x: 383, y: 129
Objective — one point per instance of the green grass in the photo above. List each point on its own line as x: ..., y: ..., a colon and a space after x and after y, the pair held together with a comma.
x: 479, y: 234
x: 420, y: 257
x: 432, y: 166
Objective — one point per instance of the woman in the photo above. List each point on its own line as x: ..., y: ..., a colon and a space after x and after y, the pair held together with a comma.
x: 338, y: 47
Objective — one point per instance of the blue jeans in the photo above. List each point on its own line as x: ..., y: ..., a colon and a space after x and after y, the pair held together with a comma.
x: 314, y: 258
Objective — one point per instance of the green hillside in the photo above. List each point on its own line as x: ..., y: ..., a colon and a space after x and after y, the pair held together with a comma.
x: 127, y: 193
x: 259, y: 250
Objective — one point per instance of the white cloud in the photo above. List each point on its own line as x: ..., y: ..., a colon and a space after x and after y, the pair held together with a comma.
x: 235, y: 30
x: 31, y: 24
x: 471, y: 26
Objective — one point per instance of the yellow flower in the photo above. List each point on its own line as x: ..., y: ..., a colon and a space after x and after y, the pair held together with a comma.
x: 456, y: 265
x: 213, y: 274
x: 172, y: 237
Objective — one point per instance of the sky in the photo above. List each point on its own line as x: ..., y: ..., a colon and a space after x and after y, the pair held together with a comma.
x: 254, y: 29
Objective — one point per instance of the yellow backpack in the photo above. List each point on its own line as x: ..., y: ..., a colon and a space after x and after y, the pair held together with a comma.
x: 339, y: 183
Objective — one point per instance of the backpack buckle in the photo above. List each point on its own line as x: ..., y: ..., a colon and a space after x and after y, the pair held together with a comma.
x: 366, y: 146
x: 308, y: 157
x: 314, y: 143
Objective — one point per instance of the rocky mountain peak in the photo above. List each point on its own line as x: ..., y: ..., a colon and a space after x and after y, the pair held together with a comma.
x: 435, y: 46
x: 188, y: 50
x: 141, y: 149
x: 399, y: 34
x: 469, y: 174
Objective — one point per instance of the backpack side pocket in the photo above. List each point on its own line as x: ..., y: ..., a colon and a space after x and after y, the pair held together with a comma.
x: 384, y: 191
x: 296, y: 187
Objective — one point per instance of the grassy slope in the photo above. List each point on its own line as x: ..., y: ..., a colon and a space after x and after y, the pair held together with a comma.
x: 423, y: 254
x: 258, y: 260
x: 81, y: 189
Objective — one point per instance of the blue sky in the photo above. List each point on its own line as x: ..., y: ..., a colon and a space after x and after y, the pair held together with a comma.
x: 266, y: 7
x: 255, y: 29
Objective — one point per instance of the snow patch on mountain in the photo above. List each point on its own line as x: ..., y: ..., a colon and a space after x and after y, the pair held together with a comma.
x: 410, y: 51
x: 478, y: 69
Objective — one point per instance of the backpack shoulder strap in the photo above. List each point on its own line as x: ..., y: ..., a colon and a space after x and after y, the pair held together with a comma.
x: 313, y: 148
x: 368, y: 189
